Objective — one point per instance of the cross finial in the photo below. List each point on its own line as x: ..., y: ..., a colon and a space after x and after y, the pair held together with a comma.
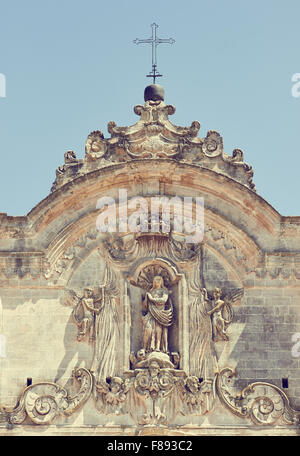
x: 154, y: 41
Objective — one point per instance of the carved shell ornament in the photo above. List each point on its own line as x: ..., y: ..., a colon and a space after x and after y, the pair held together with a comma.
x: 144, y: 274
x: 95, y: 145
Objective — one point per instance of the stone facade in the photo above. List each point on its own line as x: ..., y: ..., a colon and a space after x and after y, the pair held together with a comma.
x: 208, y: 348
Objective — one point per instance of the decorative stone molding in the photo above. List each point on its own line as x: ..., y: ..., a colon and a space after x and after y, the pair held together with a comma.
x: 280, y: 265
x: 43, y: 402
x: 155, y: 395
x: 22, y: 265
x: 57, y: 267
x: 262, y: 402
x: 71, y: 167
x: 235, y: 253
x: 154, y: 136
x: 95, y: 145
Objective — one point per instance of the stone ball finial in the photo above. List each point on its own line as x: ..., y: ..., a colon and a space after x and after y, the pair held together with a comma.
x: 154, y: 92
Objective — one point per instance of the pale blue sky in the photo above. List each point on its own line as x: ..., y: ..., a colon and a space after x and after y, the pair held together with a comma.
x: 71, y: 67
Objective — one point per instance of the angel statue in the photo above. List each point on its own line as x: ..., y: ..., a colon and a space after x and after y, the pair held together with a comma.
x: 222, y: 312
x: 111, y: 395
x: 84, y: 314
x: 158, y: 318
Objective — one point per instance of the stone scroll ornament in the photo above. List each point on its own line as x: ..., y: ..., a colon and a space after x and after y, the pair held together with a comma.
x: 262, y: 402
x: 44, y: 402
x: 154, y: 395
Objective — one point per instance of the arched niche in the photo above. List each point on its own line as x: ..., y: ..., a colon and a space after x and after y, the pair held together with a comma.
x: 86, y: 269
x: 139, y: 281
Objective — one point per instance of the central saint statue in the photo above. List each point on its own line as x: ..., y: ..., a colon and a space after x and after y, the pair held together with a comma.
x: 158, y: 318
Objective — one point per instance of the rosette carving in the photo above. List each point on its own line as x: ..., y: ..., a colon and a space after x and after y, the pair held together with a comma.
x: 154, y: 382
x: 95, y: 145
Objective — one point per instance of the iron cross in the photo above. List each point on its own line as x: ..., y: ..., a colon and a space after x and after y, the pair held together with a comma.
x: 154, y: 41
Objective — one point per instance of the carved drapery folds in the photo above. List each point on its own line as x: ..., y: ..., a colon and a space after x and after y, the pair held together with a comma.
x: 155, y: 137
x: 97, y: 319
x: 202, y: 358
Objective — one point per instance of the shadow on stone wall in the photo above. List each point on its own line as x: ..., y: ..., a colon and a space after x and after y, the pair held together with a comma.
x: 77, y: 354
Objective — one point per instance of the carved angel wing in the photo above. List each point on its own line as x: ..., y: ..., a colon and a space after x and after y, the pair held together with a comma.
x: 234, y: 295
x: 227, y: 312
x: 229, y: 299
x: 126, y: 385
x: 102, y: 387
x: 71, y: 298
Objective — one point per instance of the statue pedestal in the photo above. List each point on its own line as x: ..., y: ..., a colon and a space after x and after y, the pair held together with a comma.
x: 162, y: 360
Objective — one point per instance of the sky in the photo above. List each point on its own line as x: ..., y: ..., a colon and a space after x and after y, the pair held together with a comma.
x: 71, y: 66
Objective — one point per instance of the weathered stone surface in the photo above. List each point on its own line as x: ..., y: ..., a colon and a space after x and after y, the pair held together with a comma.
x: 53, y: 326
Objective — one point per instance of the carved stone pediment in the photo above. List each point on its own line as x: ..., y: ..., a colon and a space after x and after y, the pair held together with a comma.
x: 154, y: 136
